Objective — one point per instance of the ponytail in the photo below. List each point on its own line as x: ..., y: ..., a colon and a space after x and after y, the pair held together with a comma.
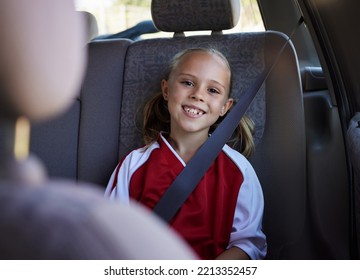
x: 156, y: 118
x: 242, y: 139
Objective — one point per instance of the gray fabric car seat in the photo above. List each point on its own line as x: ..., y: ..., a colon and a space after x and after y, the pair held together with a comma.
x: 48, y: 219
x: 88, y: 153
x: 121, y: 75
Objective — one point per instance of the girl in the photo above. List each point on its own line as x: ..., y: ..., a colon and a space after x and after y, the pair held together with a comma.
x: 222, y: 218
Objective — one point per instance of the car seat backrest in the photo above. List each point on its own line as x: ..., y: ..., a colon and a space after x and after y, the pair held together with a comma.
x: 151, y: 68
x: 47, y: 219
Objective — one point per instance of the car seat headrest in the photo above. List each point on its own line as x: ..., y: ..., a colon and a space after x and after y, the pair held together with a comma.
x: 195, y: 15
x: 91, y: 25
x: 42, y: 57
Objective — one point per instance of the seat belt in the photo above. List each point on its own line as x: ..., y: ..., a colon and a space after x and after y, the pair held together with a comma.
x: 190, y: 176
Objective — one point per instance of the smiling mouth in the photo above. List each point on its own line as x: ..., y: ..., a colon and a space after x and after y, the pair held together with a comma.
x: 193, y: 111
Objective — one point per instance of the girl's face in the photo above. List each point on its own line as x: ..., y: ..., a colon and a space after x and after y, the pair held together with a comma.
x: 197, y: 92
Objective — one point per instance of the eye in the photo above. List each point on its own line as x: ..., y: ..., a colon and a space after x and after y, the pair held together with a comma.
x: 187, y: 83
x: 213, y: 91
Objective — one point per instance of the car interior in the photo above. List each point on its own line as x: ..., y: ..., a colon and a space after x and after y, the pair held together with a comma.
x: 104, y: 124
x: 44, y: 218
x: 300, y: 156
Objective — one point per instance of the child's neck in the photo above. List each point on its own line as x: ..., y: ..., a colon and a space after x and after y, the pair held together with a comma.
x: 186, y: 145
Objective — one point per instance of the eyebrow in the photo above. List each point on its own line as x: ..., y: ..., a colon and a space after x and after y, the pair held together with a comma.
x: 193, y: 76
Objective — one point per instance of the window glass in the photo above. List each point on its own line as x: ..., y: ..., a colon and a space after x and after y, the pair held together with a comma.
x: 117, y: 15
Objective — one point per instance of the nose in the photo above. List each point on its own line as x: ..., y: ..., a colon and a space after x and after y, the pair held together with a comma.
x: 197, y: 95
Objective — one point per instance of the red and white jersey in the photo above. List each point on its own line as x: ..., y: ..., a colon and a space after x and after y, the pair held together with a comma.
x: 224, y: 210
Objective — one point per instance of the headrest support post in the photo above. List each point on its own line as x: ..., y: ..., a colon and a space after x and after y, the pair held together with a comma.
x: 22, y: 138
x: 16, y: 165
x: 216, y: 32
x: 179, y: 34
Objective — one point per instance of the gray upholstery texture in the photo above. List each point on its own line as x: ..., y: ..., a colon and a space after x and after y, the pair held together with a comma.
x: 189, y: 15
x: 55, y: 142
x: 100, y: 111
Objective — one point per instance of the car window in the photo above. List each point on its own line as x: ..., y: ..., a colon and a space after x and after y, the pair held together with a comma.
x: 114, y: 16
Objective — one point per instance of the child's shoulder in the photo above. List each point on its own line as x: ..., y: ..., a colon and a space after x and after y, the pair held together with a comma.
x: 239, y: 159
x: 141, y: 153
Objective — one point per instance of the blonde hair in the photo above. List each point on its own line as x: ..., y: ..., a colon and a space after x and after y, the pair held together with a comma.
x: 157, y: 116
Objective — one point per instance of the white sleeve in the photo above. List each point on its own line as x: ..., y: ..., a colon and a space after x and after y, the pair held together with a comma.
x: 247, y: 225
x: 123, y: 173
x: 120, y: 191
x: 110, y: 184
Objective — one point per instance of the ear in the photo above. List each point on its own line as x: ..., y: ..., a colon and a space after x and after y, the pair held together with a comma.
x: 226, y: 106
x: 164, y: 89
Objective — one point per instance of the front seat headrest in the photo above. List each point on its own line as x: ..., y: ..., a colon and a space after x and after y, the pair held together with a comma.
x: 41, y: 62
x: 91, y: 25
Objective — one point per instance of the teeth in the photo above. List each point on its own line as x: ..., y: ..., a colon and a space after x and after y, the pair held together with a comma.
x: 193, y: 111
